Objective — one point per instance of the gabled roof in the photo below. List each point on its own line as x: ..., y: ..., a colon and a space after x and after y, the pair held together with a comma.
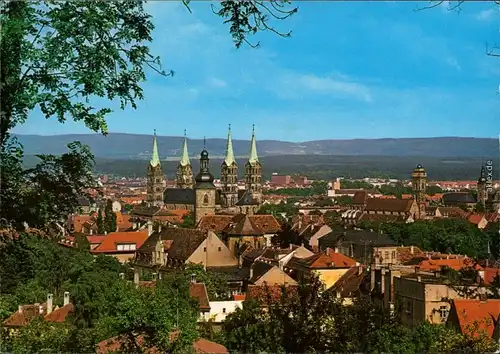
x: 360, y: 197
x: 60, y: 313
x: 25, y: 315
x: 456, y: 264
x: 183, y: 241
x: 142, y: 210
x: 392, y: 205
x: 244, y: 227
x: 108, y: 245
x: 474, y: 312
x: 179, y: 196
x: 263, y: 293
x: 459, y: 198
x: 247, y: 199
x: 259, y: 269
x: 199, y: 291
x: 349, y: 283
x: 322, y: 260
x: 217, y: 223
x: 475, y: 218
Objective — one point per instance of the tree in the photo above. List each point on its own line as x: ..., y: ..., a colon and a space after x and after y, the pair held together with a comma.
x: 216, y: 283
x: 188, y: 221
x: 100, y: 222
x: 286, y: 236
x: 109, y: 217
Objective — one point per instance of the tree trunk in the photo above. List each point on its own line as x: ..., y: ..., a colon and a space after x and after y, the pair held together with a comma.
x: 13, y: 31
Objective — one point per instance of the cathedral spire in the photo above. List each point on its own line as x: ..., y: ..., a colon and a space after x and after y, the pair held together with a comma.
x: 253, y: 157
x: 155, y: 157
x: 229, y: 160
x: 185, y: 155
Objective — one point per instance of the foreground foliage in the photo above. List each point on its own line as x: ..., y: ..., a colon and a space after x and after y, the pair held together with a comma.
x: 311, y: 320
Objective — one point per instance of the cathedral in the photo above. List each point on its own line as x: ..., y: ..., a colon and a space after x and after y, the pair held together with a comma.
x: 199, y: 194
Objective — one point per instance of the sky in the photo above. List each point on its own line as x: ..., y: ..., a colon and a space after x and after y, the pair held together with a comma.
x: 349, y: 70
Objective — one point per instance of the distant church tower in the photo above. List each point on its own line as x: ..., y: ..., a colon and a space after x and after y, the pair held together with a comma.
x: 204, y: 189
x: 229, y: 176
x: 156, y: 182
x: 419, y: 185
x: 482, y: 193
x: 184, y: 175
x: 253, y: 171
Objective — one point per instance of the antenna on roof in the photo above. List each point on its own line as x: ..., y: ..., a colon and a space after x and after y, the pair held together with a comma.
x: 184, y: 132
x: 204, y: 142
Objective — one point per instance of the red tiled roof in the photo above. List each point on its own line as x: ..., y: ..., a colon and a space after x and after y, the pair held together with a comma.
x: 202, y: 345
x: 263, y: 293
x: 199, y: 291
x: 24, y: 315
x: 475, y: 218
x: 328, y: 259
x: 490, y: 274
x: 239, y: 297
x: 108, y: 245
x: 393, y: 205
x: 59, y: 314
x: 474, y: 312
x: 456, y: 264
x: 217, y: 223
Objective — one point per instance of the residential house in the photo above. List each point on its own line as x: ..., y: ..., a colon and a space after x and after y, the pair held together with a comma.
x: 122, y: 245
x: 479, y: 220
x: 396, y: 255
x: 221, y: 224
x: 219, y: 310
x: 263, y: 271
x: 27, y: 313
x: 328, y: 265
x: 357, y: 244
x: 351, y: 285
x: 475, y: 317
x: 425, y: 296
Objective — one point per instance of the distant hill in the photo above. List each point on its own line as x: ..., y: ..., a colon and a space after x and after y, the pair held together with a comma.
x: 135, y: 146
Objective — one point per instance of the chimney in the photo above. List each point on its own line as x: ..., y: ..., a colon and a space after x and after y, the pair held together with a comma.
x: 159, y: 276
x: 105, y: 232
x: 20, y: 309
x: 327, y: 251
x: 251, y: 272
x: 150, y: 228
x: 136, y: 277
x: 40, y: 309
x: 122, y: 275
x: 66, y: 298
x: 419, y: 278
x: 240, y: 261
x: 49, y: 303
x: 290, y: 246
x: 91, y: 231
x: 411, y: 249
x: 336, y: 250
x: 193, y: 278
x: 360, y: 269
x: 417, y: 269
x: 155, y: 276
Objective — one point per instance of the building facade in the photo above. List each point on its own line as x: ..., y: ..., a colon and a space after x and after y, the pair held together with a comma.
x: 229, y: 176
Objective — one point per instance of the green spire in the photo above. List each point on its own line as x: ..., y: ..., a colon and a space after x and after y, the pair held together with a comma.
x: 155, y: 157
x: 229, y: 150
x: 185, y: 156
x: 253, y: 148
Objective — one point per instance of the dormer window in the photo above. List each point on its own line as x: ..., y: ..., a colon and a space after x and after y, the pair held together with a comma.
x: 126, y: 247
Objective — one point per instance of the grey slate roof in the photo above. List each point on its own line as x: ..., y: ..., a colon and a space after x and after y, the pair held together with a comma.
x: 458, y: 198
x: 179, y: 196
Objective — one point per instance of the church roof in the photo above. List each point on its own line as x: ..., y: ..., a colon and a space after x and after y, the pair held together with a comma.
x: 229, y: 160
x: 185, y: 155
x: 155, y: 156
x: 179, y: 196
x: 253, y: 157
x: 247, y: 199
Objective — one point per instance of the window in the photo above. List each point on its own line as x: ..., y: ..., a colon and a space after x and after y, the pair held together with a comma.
x: 205, y: 199
x: 386, y: 255
x: 224, y: 310
x: 219, y: 249
x: 443, y: 313
x: 126, y: 247
x: 204, y: 249
x: 393, y: 254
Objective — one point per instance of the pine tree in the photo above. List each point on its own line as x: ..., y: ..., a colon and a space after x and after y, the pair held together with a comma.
x: 100, y: 222
x: 109, y: 217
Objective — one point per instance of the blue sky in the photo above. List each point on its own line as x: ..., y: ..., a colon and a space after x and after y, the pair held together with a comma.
x: 350, y: 70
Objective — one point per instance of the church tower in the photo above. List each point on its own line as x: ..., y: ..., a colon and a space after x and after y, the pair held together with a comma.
x: 229, y: 175
x: 419, y: 185
x: 204, y: 189
x: 156, y: 182
x: 184, y: 175
x: 482, y: 193
x: 253, y: 171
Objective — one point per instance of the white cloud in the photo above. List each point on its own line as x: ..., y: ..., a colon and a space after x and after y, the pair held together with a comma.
x: 485, y: 15
x: 330, y: 86
x: 216, y: 82
x: 452, y: 61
